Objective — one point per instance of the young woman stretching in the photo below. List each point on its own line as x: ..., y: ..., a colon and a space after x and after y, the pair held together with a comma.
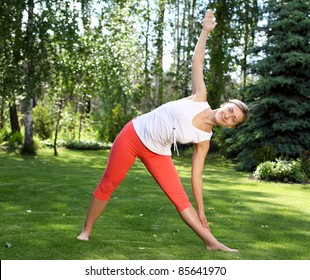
x: 150, y: 137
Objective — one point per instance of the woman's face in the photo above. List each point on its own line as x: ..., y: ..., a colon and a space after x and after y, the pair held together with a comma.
x: 229, y: 115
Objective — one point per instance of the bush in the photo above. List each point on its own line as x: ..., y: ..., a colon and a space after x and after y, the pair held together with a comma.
x: 15, y: 140
x: 263, y: 154
x: 4, y: 135
x: 305, y: 162
x: 50, y: 143
x: 86, y: 145
x: 42, y: 122
x: 281, y: 171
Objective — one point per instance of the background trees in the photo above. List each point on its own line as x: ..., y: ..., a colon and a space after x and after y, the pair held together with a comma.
x: 280, y: 122
x: 85, y: 68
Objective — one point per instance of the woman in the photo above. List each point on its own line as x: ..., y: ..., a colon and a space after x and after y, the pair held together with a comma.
x: 150, y: 138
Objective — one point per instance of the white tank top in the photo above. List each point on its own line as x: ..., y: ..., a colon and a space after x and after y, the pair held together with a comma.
x: 171, y: 123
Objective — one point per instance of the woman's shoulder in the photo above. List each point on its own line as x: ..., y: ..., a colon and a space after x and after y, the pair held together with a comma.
x: 189, y: 101
x: 196, y: 98
x: 198, y: 101
x: 193, y: 98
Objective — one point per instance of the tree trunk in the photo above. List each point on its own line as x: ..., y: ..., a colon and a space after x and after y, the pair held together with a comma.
x: 59, y: 115
x: 28, y: 147
x: 147, y: 80
x: 2, y: 119
x: 14, y: 118
x: 30, y: 84
x: 177, y: 46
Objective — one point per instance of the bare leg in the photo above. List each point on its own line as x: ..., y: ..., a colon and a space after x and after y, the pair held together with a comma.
x: 95, y: 209
x: 190, y: 217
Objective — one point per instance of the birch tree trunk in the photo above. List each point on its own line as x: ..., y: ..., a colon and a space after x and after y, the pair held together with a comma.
x: 147, y: 79
x: 28, y: 140
x: 28, y: 147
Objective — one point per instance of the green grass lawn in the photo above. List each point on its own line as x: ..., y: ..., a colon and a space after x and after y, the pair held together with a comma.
x: 43, y: 202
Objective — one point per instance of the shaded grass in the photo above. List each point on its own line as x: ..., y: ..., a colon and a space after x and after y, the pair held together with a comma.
x: 43, y: 202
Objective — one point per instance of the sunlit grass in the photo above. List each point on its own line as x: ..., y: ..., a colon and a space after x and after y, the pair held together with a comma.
x: 43, y: 202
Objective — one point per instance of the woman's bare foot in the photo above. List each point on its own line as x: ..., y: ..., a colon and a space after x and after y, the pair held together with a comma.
x: 220, y: 247
x: 83, y: 236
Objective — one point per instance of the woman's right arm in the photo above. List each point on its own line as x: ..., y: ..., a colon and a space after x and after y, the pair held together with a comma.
x: 198, y: 85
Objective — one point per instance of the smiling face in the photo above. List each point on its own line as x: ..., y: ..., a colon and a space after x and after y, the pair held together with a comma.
x: 229, y: 115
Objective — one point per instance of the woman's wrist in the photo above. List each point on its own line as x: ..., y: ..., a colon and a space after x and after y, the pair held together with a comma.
x: 205, y: 31
x: 200, y: 209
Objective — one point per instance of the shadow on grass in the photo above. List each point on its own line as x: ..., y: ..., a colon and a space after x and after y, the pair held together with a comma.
x: 44, y: 201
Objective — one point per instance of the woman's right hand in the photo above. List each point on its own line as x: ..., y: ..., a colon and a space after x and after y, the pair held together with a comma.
x: 209, y: 21
x: 203, y: 220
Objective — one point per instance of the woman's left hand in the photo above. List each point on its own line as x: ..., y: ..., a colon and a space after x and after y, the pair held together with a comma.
x: 209, y: 21
x: 203, y: 220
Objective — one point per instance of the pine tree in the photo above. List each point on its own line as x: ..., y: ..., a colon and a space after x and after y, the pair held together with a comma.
x: 280, y: 118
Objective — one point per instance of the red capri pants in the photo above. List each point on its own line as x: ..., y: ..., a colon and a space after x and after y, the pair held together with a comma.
x: 126, y: 148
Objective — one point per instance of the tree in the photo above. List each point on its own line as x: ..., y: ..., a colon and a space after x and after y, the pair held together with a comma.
x: 146, y: 88
x: 119, y: 61
x: 219, y: 55
x: 65, y: 52
x: 30, y: 83
x: 229, y: 44
x: 159, y: 29
x: 12, y: 45
x: 245, y: 22
x: 191, y: 6
x: 280, y: 122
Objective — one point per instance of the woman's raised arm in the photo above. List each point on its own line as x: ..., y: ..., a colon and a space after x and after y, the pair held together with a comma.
x: 198, y: 85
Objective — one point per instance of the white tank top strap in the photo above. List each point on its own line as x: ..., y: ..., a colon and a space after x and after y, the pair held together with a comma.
x: 175, y: 145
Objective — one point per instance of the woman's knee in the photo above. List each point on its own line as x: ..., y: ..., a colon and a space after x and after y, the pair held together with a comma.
x: 105, y: 188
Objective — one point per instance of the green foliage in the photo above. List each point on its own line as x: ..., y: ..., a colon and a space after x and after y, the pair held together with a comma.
x: 281, y: 171
x: 86, y: 145
x: 110, y: 124
x: 42, y: 122
x: 235, y: 31
x: 117, y: 120
x: 4, y: 135
x: 49, y: 144
x: 305, y: 162
x: 257, y: 156
x: 12, y: 140
x: 15, y: 139
x: 280, y: 98
x: 105, y: 56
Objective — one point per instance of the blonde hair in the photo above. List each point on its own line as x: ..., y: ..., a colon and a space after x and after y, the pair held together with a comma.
x: 244, y: 109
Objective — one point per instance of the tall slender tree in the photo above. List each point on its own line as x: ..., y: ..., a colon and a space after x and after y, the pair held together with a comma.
x: 219, y: 55
x: 191, y: 7
x: 247, y: 16
x: 159, y: 73
x: 12, y: 45
x: 30, y: 78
